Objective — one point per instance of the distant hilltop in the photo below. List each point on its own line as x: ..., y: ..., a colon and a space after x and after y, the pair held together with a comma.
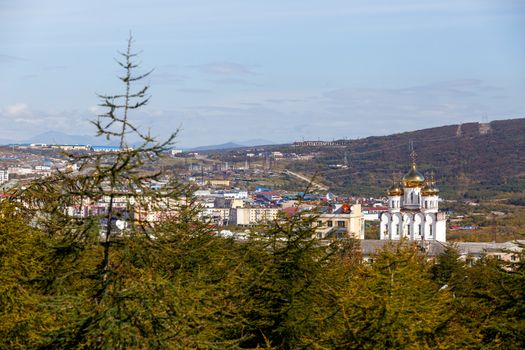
x: 320, y: 143
x: 473, y: 160
x: 60, y: 138
x: 470, y: 160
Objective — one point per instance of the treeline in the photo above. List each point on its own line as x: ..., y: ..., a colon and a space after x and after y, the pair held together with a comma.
x: 189, y: 289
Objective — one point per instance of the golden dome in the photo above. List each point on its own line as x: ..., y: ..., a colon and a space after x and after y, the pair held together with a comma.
x: 427, y: 190
x: 435, y: 190
x: 414, y: 178
x: 395, y: 189
x: 430, y: 188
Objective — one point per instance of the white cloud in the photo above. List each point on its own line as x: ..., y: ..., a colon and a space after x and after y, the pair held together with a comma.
x: 19, y: 121
x: 16, y: 109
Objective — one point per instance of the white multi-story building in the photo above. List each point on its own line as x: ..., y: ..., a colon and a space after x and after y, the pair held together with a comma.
x: 413, y: 210
x: 4, y: 176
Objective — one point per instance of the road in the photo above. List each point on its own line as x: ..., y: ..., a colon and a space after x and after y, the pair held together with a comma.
x: 304, y: 178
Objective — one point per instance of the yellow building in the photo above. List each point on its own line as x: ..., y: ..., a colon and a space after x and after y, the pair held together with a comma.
x: 219, y: 183
x: 340, y: 221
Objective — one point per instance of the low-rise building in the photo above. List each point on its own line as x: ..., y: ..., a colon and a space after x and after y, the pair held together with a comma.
x: 219, y: 216
x: 341, y: 221
x: 219, y: 183
x: 507, y: 251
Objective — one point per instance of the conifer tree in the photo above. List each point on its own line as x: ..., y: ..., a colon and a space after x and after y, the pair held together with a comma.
x: 21, y: 251
x: 101, y: 274
x: 492, y: 302
x: 391, y: 304
x: 285, y: 291
x: 449, y: 269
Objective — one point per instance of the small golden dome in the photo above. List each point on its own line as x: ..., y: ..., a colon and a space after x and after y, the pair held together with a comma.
x: 395, y: 189
x: 414, y: 178
x: 430, y: 188
x: 427, y: 190
x: 435, y: 190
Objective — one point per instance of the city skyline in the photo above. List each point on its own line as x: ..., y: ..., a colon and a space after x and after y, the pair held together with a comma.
x: 276, y: 70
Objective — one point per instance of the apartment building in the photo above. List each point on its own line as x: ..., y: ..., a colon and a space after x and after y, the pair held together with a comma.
x: 252, y: 216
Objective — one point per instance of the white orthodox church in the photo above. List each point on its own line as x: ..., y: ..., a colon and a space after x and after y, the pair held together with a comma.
x: 413, y: 210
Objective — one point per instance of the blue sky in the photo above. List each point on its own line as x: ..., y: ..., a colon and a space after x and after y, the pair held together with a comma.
x: 282, y: 70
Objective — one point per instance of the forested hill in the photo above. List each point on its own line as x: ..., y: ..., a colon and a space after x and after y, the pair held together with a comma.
x: 472, y: 160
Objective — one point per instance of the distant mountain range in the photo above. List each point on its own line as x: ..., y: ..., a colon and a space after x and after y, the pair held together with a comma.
x: 60, y: 138
x: 232, y: 145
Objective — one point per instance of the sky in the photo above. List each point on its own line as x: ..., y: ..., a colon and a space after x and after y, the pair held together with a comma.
x: 279, y: 70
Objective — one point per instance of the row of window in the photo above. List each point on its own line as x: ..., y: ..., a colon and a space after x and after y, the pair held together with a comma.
x: 427, y: 204
x: 419, y: 231
x: 331, y: 223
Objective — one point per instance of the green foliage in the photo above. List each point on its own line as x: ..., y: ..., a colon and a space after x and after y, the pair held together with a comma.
x: 492, y: 302
x: 284, y: 288
x: 21, y: 250
x: 449, y: 269
x: 392, y: 304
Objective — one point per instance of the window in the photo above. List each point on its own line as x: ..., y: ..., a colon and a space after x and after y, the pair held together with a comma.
x: 329, y: 223
x: 430, y: 230
x: 341, y: 224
